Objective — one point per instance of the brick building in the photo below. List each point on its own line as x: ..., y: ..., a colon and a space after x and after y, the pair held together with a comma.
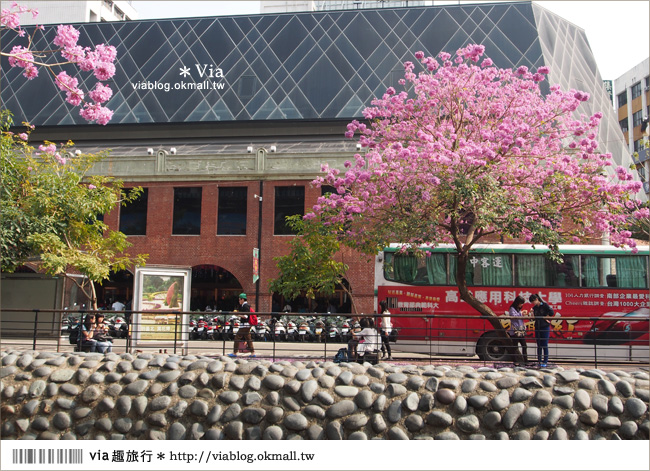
x: 212, y: 113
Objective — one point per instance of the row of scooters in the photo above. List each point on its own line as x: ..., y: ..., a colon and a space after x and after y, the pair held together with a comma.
x: 334, y: 329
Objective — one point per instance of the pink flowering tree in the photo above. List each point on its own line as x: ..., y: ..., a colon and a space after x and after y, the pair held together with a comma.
x: 469, y: 152
x: 64, y: 52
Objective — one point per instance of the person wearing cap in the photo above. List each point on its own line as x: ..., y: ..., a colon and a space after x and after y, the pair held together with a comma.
x: 244, y: 332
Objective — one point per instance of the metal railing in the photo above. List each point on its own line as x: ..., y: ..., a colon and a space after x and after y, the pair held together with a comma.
x: 429, y: 338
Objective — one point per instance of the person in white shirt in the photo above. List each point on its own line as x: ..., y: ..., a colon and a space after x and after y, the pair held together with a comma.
x: 118, y: 306
x: 368, y: 338
x: 386, y: 329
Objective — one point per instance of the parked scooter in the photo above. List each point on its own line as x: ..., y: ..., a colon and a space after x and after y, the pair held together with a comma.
x: 304, y: 332
x: 333, y: 332
x: 280, y: 332
x: 292, y: 331
x: 319, y: 331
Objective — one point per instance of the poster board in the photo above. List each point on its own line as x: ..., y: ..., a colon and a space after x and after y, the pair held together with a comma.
x: 161, y: 296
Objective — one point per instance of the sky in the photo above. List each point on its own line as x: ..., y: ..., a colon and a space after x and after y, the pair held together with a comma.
x: 618, y: 31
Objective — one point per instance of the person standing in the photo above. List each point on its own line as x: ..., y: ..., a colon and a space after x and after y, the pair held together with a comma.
x: 517, y: 331
x: 543, y: 312
x: 244, y: 332
x: 386, y: 329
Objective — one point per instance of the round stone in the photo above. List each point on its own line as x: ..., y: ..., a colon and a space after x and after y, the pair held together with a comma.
x: 610, y: 422
x: 273, y: 382
x: 188, y: 391
x: 325, y: 398
x: 364, y: 399
x: 62, y: 376
x: 531, y: 417
x: 589, y: 417
x: 396, y: 378
x: 37, y: 388
x: 253, y: 415
x: 315, y: 411
x: 136, y: 388
x: 468, y: 423
x: 552, y: 417
x: 500, y: 401
x: 439, y: 419
x: 628, y: 429
x: 635, y: 407
x: 521, y: 395
x: 447, y: 436
x: 560, y: 434
x: 272, y: 433
x: 123, y: 424
x: 445, y: 396
x: 394, y: 412
x: 396, y: 433
x: 605, y: 387
x: 355, y: 422
x: 414, y: 423
x: 228, y: 397
x: 40, y: 424
x: 199, y: 408
x: 582, y: 399
x: 168, y: 376
x: 346, y: 391
x: 507, y: 382
x: 615, y: 405
x: 492, y: 420
x: 61, y: 420
x: 90, y: 394
x: 308, y: 390
x: 274, y: 415
x: 412, y: 400
x: 542, y: 398
x: 295, y: 422
x: 564, y: 401
x: 512, y: 415
x: 623, y: 387
x: 478, y: 402
x: 377, y: 423
x: 341, y: 409
x: 468, y: 385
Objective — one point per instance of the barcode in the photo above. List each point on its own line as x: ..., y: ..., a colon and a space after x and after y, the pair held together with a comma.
x: 47, y: 456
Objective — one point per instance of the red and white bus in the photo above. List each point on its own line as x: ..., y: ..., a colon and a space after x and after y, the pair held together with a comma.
x: 593, y: 281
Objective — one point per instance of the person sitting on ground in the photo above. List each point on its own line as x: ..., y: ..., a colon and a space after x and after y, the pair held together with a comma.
x: 103, y: 341
x: 87, y: 332
x: 369, y: 340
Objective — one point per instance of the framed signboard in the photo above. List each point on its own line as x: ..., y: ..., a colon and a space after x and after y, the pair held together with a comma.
x: 161, y: 295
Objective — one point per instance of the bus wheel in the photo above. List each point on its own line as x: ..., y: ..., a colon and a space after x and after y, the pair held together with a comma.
x: 492, y: 347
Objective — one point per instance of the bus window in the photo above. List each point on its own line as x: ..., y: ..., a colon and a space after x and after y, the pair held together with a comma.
x: 539, y: 271
x: 410, y: 269
x: 631, y: 272
x: 485, y: 270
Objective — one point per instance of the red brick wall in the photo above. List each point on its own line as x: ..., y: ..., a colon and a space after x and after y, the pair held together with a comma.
x: 233, y: 253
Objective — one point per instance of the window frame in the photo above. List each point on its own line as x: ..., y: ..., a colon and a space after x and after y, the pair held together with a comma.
x: 130, y: 208
x: 280, y: 226
x: 176, y: 211
x: 221, y: 211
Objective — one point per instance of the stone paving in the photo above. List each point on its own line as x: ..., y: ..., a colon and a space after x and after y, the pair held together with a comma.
x: 164, y: 396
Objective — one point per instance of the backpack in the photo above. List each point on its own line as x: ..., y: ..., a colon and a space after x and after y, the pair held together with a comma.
x: 341, y: 355
x: 252, y: 318
x: 74, y: 335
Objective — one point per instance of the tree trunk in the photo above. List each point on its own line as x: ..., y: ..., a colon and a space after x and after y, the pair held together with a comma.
x: 465, y: 295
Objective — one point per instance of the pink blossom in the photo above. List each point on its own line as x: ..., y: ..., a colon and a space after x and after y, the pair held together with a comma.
x: 104, y: 70
x: 23, y: 136
x: 48, y: 149
x: 101, y: 93
x: 419, y: 55
x: 543, y: 70
x: 91, y: 187
x: 66, y: 36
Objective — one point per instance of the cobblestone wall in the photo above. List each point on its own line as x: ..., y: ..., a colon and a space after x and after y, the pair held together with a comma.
x: 160, y: 396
